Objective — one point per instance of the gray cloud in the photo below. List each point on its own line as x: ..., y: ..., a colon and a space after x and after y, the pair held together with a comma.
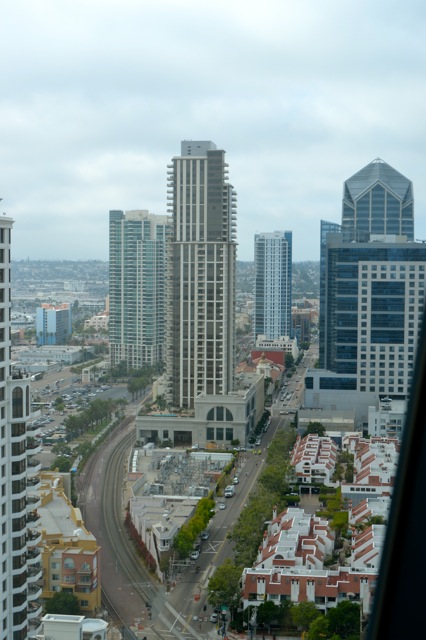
x: 96, y: 97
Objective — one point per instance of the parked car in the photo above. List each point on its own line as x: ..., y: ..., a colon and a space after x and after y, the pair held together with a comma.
x: 194, y: 555
x: 222, y: 506
x: 214, y: 617
x: 204, y: 535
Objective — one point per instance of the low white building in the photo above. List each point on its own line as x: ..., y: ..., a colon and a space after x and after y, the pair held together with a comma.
x: 387, y: 418
x: 71, y: 627
x: 98, y: 322
x: 157, y: 520
x: 314, y: 459
x: 66, y: 355
x: 291, y: 566
x: 284, y: 343
x: 375, y: 466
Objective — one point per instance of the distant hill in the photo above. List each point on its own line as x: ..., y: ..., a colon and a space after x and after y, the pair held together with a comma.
x: 95, y: 274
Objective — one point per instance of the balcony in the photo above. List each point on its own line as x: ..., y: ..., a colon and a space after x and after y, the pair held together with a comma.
x: 34, y: 591
x: 35, y: 625
x: 33, y: 463
x: 32, y: 430
x: 33, y: 482
x: 33, y: 502
x: 33, y: 537
x: 33, y: 517
x: 34, y: 573
x: 34, y: 609
x: 33, y: 448
x: 33, y: 555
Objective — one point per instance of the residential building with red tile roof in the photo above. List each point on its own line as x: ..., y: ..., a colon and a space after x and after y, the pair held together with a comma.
x: 375, y: 465
x: 291, y: 565
x: 314, y: 459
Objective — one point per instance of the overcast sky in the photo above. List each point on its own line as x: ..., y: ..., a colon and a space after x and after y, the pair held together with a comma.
x: 96, y: 96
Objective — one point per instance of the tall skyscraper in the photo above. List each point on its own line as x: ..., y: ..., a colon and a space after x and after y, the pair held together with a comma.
x: 272, y: 293
x: 378, y: 200
x: 201, y: 308
x: 372, y: 286
x: 137, y: 266
x: 20, y: 557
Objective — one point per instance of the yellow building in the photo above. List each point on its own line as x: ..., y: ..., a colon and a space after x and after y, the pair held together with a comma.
x: 70, y: 553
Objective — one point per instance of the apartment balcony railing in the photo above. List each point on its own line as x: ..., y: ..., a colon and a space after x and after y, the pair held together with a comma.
x: 34, y: 591
x: 34, y: 609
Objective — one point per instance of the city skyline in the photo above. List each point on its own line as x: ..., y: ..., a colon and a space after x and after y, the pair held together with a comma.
x: 89, y: 122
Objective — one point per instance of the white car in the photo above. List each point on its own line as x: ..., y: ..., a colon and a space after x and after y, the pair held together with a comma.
x: 194, y: 555
x: 222, y: 506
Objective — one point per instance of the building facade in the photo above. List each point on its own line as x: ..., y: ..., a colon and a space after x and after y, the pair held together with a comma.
x: 70, y: 553
x: 201, y: 276
x: 53, y: 324
x: 137, y: 266
x: 372, y: 294
x: 387, y: 418
x: 272, y: 289
x: 21, y: 606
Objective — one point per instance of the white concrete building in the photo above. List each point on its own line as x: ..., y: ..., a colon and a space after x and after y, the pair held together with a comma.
x: 375, y: 466
x: 314, y: 459
x: 20, y: 600
x: 290, y: 566
x: 284, y: 343
x: 387, y: 418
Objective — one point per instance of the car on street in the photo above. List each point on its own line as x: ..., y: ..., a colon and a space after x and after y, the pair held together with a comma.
x: 214, y: 617
x: 204, y: 535
x: 222, y: 506
x: 194, y: 555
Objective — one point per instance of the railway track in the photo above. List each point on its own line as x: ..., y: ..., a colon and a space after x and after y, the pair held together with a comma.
x: 101, y: 485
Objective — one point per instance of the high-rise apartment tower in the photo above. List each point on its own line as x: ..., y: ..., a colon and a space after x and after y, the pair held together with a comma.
x: 272, y: 293
x: 137, y: 266
x: 201, y: 304
x: 21, y: 606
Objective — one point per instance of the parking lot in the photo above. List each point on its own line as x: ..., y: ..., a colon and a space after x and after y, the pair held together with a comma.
x: 50, y: 421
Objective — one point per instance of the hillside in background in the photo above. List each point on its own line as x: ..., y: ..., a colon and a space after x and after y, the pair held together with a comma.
x: 92, y: 275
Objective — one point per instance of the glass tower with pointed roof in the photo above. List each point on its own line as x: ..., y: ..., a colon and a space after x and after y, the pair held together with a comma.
x: 379, y: 200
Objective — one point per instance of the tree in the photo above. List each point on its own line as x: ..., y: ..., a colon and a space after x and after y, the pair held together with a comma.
x: 303, y: 614
x: 344, y: 619
x: 315, y: 428
x: 63, y: 603
x: 224, y: 585
x: 289, y: 361
x: 274, y: 478
x: 266, y: 613
x: 318, y: 629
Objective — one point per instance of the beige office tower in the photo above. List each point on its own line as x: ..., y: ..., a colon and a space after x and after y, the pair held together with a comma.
x: 201, y: 275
